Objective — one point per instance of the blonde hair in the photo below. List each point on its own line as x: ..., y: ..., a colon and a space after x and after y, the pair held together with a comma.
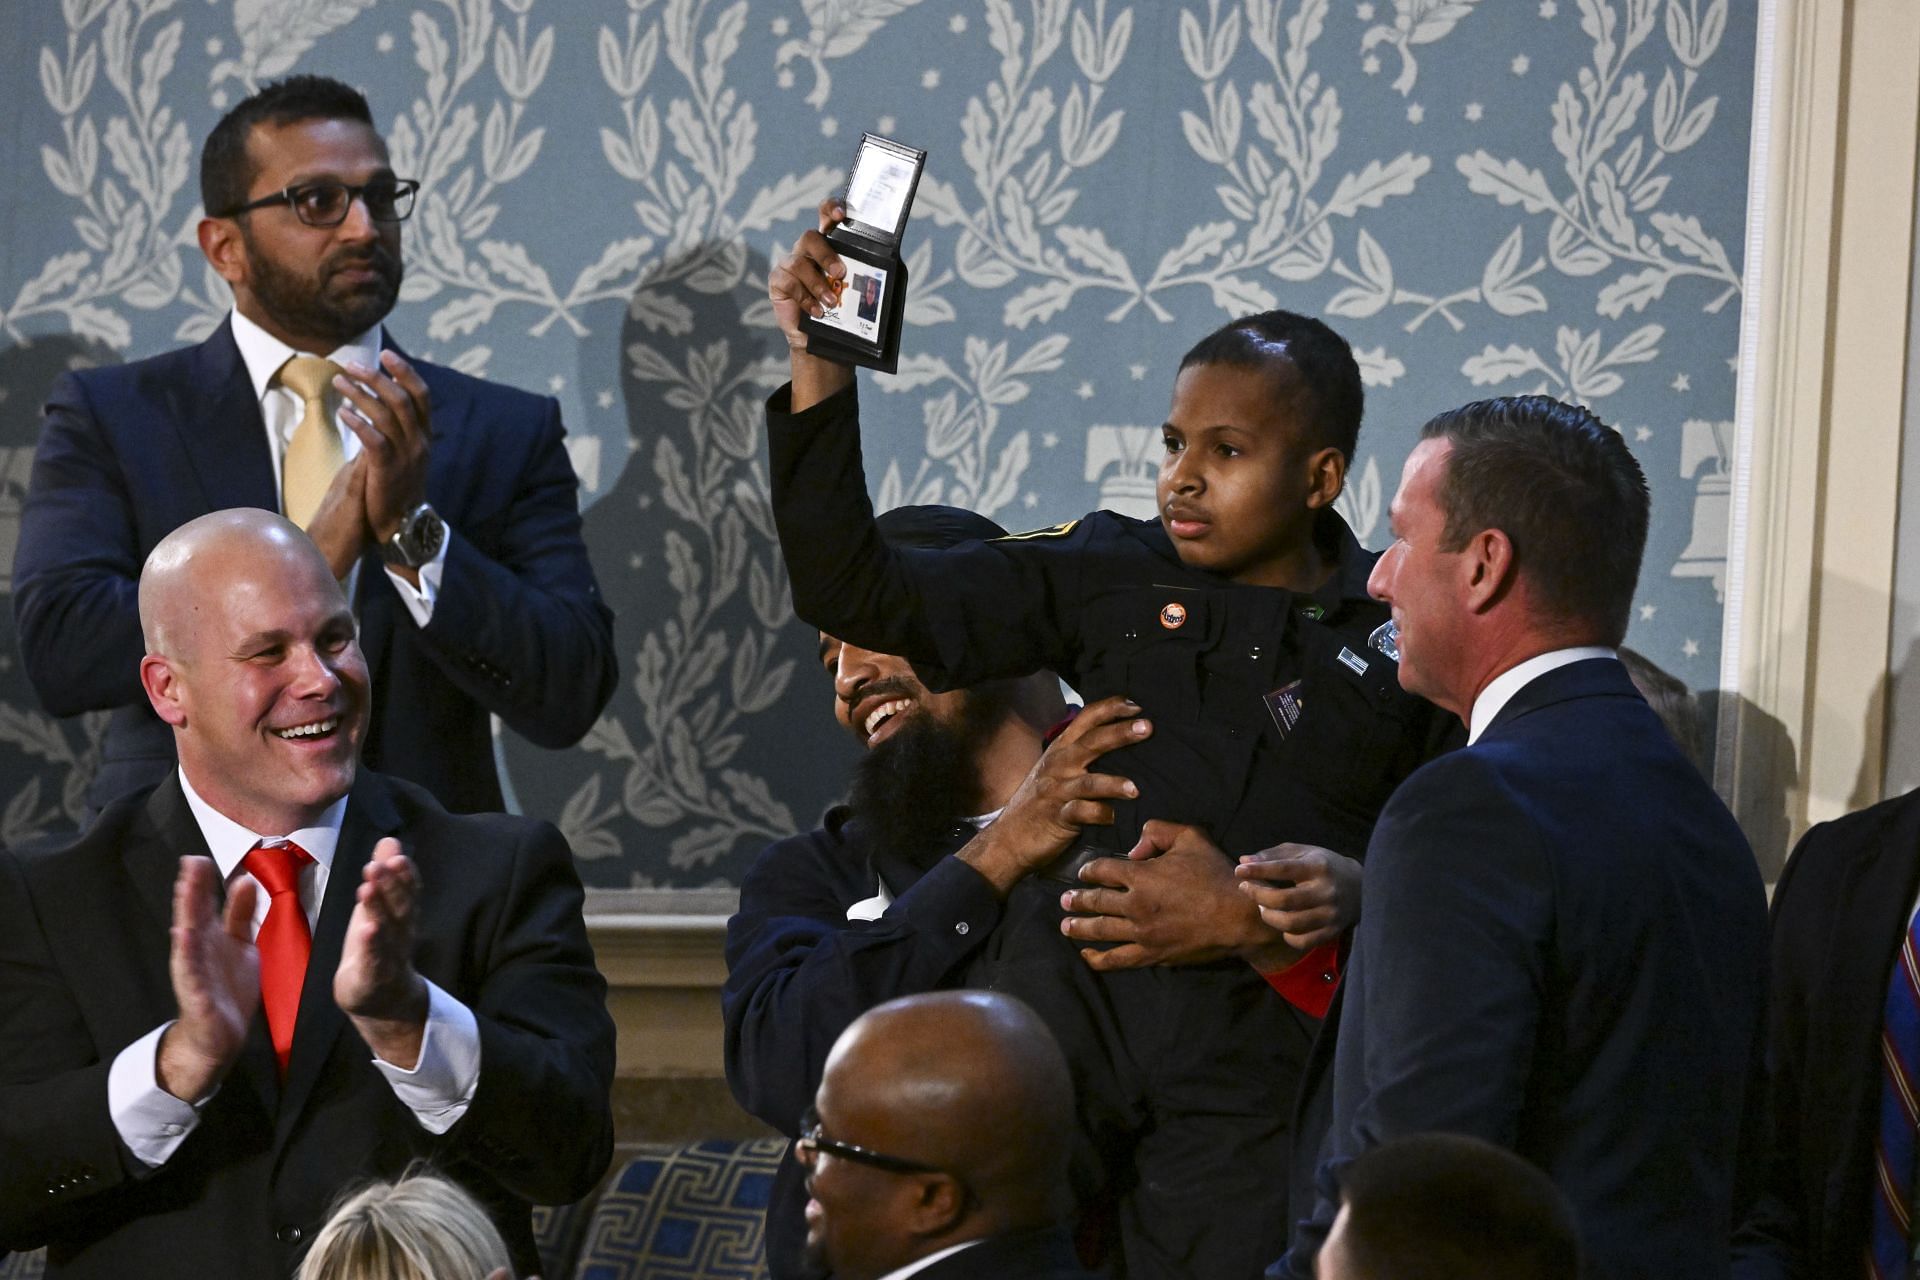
x: 422, y: 1227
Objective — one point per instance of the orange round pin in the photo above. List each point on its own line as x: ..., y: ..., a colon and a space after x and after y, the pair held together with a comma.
x: 1173, y: 615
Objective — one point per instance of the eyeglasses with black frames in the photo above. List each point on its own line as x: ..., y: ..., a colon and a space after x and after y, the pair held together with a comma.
x: 325, y: 203
x: 812, y: 1139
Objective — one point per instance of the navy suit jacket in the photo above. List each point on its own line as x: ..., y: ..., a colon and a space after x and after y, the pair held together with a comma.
x: 83, y: 974
x: 1563, y: 951
x: 799, y: 972
x: 1839, y: 914
x: 130, y: 453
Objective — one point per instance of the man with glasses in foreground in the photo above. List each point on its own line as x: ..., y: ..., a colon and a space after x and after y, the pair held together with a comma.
x: 445, y: 505
x: 937, y: 1146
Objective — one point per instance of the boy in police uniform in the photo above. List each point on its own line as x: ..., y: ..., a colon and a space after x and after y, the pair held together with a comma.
x: 1239, y: 623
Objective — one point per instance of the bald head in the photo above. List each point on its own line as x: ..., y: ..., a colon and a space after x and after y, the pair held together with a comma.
x: 940, y: 1119
x: 202, y: 555
x: 252, y: 659
x: 971, y: 1082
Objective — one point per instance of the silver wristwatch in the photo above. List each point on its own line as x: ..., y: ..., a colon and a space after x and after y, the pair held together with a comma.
x: 418, y: 539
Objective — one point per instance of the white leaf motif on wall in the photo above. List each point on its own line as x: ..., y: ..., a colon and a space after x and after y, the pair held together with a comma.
x: 1359, y: 503
x: 1415, y: 22
x: 1377, y: 368
x: 839, y: 28
x: 274, y: 33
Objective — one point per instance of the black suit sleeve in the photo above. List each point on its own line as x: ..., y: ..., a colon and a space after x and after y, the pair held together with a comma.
x: 58, y: 1146
x: 518, y: 624
x: 963, y: 614
x: 1770, y: 1242
x: 1459, y: 904
x: 799, y: 972
x: 77, y: 565
x: 1450, y: 946
x: 541, y: 1122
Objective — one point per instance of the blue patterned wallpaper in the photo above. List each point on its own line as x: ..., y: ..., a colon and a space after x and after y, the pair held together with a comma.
x: 1485, y: 196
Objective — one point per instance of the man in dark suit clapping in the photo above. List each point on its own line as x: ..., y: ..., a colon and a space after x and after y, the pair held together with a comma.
x: 445, y: 504
x: 1563, y: 941
x: 275, y: 973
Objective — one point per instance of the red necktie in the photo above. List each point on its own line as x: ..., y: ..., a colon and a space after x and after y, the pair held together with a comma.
x: 284, y: 941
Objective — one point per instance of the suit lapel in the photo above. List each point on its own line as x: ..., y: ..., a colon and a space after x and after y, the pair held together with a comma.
x: 221, y: 431
x: 1874, y: 899
x: 150, y: 858
x: 429, y: 374
x: 152, y: 866
x: 152, y: 854
x: 369, y: 816
x: 375, y: 604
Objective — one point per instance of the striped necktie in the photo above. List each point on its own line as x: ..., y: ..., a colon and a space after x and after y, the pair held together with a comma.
x: 1889, y: 1237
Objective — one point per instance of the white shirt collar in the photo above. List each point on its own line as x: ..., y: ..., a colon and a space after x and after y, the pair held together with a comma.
x: 1501, y: 688
x: 264, y: 353
x: 921, y: 1264
x: 229, y: 842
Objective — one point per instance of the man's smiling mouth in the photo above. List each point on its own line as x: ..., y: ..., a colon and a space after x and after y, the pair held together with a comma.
x: 315, y: 729
x: 883, y: 713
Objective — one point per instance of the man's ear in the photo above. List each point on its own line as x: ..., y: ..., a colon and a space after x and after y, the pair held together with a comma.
x: 1326, y: 477
x: 1488, y: 563
x: 220, y: 241
x: 164, y: 689
x: 939, y: 1204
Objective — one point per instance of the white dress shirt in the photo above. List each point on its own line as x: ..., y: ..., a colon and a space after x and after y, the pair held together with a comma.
x: 281, y: 408
x: 1501, y: 688
x: 913, y: 1268
x: 876, y: 906
x: 153, y: 1123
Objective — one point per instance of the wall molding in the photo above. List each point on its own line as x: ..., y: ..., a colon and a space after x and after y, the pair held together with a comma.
x: 664, y: 974
x: 1823, y: 342
x: 659, y: 950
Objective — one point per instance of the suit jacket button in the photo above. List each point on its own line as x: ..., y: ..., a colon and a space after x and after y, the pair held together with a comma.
x: 289, y: 1235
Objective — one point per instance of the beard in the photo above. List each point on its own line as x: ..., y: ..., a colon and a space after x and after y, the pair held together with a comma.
x: 310, y: 307
x: 911, y: 790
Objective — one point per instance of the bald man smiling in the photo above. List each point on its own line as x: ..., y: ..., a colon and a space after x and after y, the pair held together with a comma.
x: 276, y: 973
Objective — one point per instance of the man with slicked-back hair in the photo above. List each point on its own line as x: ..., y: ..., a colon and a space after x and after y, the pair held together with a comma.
x: 1564, y: 940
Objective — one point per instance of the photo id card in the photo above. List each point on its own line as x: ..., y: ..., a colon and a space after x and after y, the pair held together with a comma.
x: 862, y: 295
x: 862, y: 324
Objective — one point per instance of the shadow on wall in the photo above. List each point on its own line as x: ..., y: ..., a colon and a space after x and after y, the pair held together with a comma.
x: 1902, y: 700
x: 1693, y: 720
x: 708, y: 751
x: 45, y: 764
x: 1768, y: 825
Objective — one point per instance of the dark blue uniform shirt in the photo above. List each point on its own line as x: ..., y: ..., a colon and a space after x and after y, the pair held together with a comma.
x: 1273, y: 721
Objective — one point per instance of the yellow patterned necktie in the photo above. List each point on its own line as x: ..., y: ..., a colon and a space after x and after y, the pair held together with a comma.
x: 314, y: 452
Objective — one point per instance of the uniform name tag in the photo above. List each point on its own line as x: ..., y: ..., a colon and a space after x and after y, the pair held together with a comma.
x: 1284, y: 705
x: 1353, y: 662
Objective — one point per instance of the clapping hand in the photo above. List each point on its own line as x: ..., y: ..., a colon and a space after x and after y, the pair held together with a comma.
x: 376, y: 984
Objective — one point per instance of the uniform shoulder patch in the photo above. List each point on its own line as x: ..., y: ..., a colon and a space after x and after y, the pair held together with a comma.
x: 1051, y: 531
